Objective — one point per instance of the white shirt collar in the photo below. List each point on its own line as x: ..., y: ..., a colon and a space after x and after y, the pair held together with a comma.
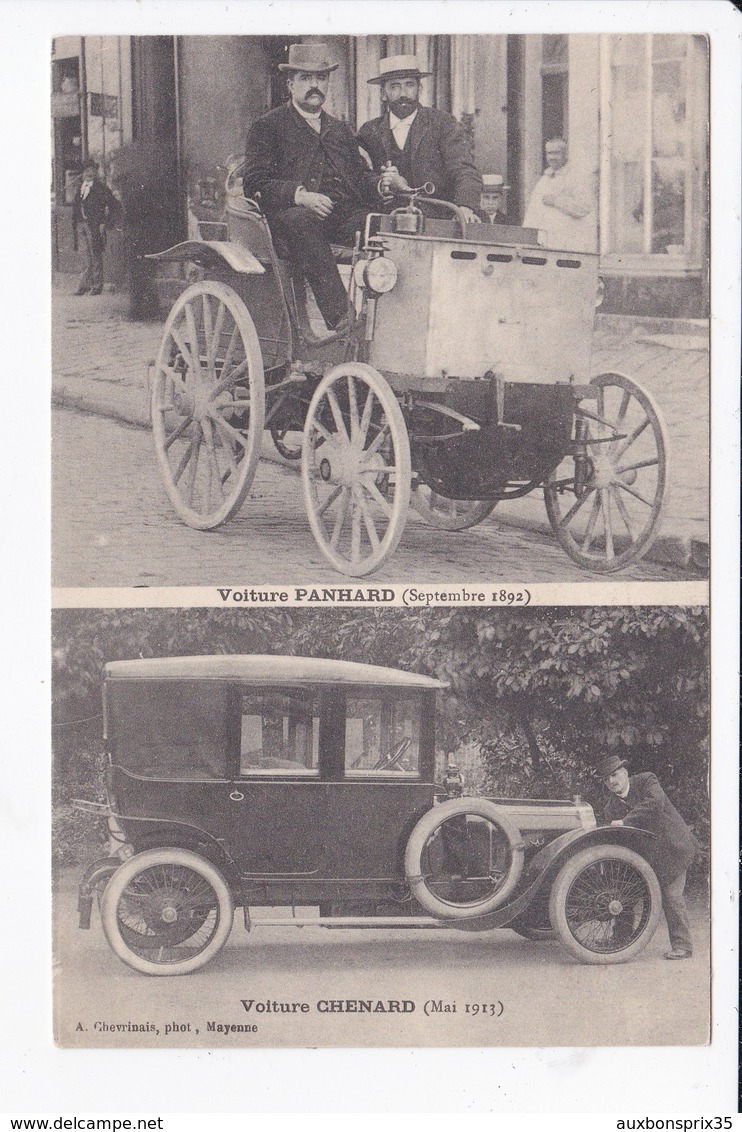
x: 312, y: 118
x: 400, y: 127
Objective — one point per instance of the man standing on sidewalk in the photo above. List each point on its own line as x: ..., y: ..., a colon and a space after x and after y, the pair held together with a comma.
x: 640, y: 801
x: 94, y: 210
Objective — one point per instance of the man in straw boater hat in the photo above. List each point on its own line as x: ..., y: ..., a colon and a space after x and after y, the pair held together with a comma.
x: 410, y: 144
x: 640, y: 801
x: 314, y: 186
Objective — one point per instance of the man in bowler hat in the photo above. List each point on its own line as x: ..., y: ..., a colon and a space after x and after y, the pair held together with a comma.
x: 411, y: 144
x: 639, y: 800
x: 314, y: 186
x: 94, y: 211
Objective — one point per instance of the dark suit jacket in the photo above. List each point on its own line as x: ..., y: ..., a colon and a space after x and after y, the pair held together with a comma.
x: 648, y: 807
x: 440, y: 151
x: 283, y: 152
x: 100, y: 207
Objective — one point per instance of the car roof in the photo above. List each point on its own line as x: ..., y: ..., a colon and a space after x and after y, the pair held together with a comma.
x: 267, y: 670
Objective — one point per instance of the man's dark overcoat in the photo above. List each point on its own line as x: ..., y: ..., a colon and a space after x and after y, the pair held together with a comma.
x: 646, y: 806
x: 283, y: 152
x: 439, y: 151
x: 100, y: 209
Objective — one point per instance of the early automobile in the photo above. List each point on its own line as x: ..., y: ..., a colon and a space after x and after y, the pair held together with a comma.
x: 277, y: 782
x: 463, y: 381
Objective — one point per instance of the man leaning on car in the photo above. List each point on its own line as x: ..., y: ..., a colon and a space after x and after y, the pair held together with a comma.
x: 640, y: 801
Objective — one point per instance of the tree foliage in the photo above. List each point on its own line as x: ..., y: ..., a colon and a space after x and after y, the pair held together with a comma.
x: 542, y: 693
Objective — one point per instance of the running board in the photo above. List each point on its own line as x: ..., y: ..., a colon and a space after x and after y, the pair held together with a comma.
x: 349, y: 922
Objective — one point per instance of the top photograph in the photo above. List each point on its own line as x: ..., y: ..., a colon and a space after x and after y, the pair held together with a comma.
x: 406, y: 308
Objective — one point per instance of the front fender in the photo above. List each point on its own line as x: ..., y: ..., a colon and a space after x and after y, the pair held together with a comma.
x: 212, y: 253
x: 541, y: 869
x: 552, y: 856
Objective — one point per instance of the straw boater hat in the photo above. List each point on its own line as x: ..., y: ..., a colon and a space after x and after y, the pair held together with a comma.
x: 313, y: 57
x: 397, y: 65
x: 494, y: 181
x: 608, y: 765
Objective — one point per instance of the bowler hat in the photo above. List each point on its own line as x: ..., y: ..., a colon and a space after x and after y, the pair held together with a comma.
x: 395, y: 66
x: 608, y: 765
x: 313, y: 57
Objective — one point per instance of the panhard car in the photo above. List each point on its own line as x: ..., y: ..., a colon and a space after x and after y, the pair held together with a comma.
x: 281, y: 782
x: 462, y: 382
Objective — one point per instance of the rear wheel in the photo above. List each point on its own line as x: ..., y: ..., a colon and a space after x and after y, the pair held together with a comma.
x: 605, y: 904
x: 167, y: 912
x: 450, y: 514
x: 356, y: 468
x: 208, y: 404
x: 464, y: 859
x: 613, y: 519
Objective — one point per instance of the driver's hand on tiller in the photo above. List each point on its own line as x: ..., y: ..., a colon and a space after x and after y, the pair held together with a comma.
x: 470, y: 215
x: 317, y: 203
x: 391, y: 181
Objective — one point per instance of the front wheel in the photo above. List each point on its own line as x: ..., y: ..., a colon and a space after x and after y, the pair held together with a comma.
x: 605, y: 904
x: 356, y: 468
x: 167, y: 912
x: 611, y: 519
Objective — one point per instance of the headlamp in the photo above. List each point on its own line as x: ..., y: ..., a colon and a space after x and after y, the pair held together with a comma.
x: 377, y: 275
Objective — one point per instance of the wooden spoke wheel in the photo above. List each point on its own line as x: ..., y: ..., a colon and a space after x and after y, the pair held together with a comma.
x: 208, y: 404
x: 615, y: 517
x: 356, y: 468
x: 287, y: 442
x: 450, y: 514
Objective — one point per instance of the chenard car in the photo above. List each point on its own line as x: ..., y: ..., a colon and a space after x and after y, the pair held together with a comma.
x: 283, y: 782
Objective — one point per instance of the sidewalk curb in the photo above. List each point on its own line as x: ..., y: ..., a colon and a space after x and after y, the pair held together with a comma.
x: 667, y: 549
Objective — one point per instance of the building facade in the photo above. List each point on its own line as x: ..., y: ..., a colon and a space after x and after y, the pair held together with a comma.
x: 633, y: 109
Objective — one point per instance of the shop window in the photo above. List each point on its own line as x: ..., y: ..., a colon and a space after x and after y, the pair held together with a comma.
x: 653, y: 190
x: 554, y: 86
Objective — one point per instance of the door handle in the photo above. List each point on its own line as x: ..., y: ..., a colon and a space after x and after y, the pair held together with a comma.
x: 236, y: 796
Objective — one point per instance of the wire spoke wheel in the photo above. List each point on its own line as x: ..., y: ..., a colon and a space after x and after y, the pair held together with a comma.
x: 605, y: 904
x: 208, y: 404
x: 166, y: 911
x: 356, y: 468
x: 615, y: 517
x: 464, y: 858
x: 450, y: 514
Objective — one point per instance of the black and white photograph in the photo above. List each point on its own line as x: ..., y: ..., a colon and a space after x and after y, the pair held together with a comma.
x: 266, y: 835
x: 382, y: 305
x: 375, y: 740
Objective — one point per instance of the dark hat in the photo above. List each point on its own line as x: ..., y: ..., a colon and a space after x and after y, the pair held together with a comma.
x: 314, y: 57
x: 608, y: 765
x: 397, y: 65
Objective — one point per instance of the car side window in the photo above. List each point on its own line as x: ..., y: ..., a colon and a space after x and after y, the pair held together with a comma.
x: 382, y: 735
x: 279, y: 732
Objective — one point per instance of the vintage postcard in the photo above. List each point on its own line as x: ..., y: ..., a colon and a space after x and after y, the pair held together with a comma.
x: 286, y: 841
x: 381, y: 383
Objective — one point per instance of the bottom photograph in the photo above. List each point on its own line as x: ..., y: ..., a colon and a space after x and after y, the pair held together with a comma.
x: 448, y: 827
